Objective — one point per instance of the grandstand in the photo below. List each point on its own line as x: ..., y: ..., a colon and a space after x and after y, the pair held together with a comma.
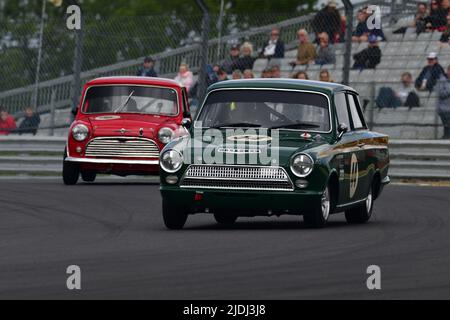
x: 401, y: 52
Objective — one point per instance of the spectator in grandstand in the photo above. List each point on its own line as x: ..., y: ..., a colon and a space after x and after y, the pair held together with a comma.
x: 325, y: 76
x: 325, y: 51
x: 437, y: 19
x: 430, y: 74
x: 306, y: 52
x: 267, y: 73
x: 328, y: 20
x: 185, y: 77
x: 419, y: 22
x: 405, y: 96
x: 30, y: 123
x: 443, y: 89
x: 274, y: 47
x: 7, y: 123
x: 231, y: 59
x: 301, y: 75
x: 237, y: 75
x: 370, y: 57
x: 446, y: 33
x: 221, y: 75
x: 275, y: 72
x: 147, y: 69
x: 248, y: 74
x: 246, y: 60
x: 362, y: 31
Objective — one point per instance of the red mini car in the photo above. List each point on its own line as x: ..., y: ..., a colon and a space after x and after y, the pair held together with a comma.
x: 122, y: 124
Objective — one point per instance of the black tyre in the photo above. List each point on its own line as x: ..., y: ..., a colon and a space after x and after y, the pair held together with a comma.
x: 318, y: 218
x: 174, y: 217
x: 225, y: 219
x: 71, y: 172
x: 88, y: 176
x: 362, y: 213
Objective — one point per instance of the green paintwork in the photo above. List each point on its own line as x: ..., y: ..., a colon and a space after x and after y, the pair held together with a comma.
x: 332, y: 158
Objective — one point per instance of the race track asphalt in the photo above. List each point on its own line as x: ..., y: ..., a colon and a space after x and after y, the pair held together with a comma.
x: 113, y: 230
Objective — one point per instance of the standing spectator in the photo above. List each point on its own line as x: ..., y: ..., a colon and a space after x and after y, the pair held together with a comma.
x: 444, y: 102
x: 328, y: 20
x: 227, y: 64
x: 306, y: 52
x: 185, y: 77
x: 147, y: 69
x: 237, y: 75
x: 301, y: 75
x: 325, y: 76
x: 430, y: 74
x: 437, y: 19
x: 7, y: 123
x: 276, y: 72
x: 325, y: 52
x: 362, y: 32
x: 248, y: 74
x: 30, y: 123
x: 246, y: 60
x: 274, y: 47
x: 370, y: 57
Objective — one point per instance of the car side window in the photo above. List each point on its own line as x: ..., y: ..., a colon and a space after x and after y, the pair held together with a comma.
x: 341, y: 109
x: 358, y: 120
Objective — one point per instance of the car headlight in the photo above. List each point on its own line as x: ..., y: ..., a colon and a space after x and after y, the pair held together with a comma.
x: 80, y: 132
x: 171, y: 161
x: 165, y: 135
x: 302, y: 165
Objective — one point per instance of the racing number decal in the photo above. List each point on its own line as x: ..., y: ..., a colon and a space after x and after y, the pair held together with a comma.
x: 354, y: 175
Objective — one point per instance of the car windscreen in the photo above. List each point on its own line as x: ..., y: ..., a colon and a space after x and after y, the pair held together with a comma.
x: 131, y: 99
x: 274, y: 109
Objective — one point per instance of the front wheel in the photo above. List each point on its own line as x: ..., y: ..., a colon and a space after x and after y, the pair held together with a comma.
x: 318, y: 218
x: 71, y: 172
x: 362, y: 213
x: 174, y: 217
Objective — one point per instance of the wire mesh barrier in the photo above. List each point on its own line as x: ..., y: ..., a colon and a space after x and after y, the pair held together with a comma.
x: 241, y: 46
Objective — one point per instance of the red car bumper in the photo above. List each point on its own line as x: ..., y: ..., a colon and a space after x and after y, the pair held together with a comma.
x: 121, y: 167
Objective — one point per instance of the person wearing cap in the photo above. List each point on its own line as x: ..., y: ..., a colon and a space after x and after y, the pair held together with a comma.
x: 328, y: 20
x: 274, y: 47
x: 246, y: 60
x: 430, y: 74
x: 443, y: 89
x: 370, y: 57
x: 231, y: 59
x: 147, y: 69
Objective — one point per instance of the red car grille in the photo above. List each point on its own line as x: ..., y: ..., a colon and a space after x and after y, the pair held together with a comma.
x: 122, y: 148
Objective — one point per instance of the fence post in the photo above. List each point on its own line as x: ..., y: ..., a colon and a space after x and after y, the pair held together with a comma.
x: 348, y: 41
x: 77, y: 65
x: 372, y: 106
x: 52, y: 113
x: 204, y: 49
x: 35, y: 97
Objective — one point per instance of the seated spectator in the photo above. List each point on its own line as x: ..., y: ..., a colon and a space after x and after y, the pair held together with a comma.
x: 237, y: 75
x: 370, y: 57
x: 306, y: 51
x: 267, y: 73
x: 185, y: 77
x: 430, y: 74
x: 246, y: 60
x: 227, y: 64
x: 443, y: 89
x: 301, y: 75
x: 362, y: 32
x: 419, y: 20
x: 222, y: 75
x: 325, y: 76
x: 325, y: 52
x: 405, y: 96
x: 328, y: 20
x: 147, y: 69
x: 276, y: 72
x: 437, y: 19
x: 7, y: 123
x: 248, y: 74
x: 274, y: 47
x: 30, y: 123
x: 446, y: 33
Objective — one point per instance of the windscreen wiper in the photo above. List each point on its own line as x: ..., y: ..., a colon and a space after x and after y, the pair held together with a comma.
x: 296, y: 126
x: 237, y: 125
x: 125, y: 104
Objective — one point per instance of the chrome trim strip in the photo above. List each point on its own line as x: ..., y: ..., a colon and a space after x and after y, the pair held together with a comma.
x: 271, y: 89
x: 111, y: 161
x: 350, y: 203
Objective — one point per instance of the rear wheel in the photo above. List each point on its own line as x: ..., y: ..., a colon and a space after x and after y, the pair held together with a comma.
x: 88, y: 176
x: 225, y: 219
x: 174, y: 217
x: 71, y: 172
x: 318, y: 218
x: 362, y: 213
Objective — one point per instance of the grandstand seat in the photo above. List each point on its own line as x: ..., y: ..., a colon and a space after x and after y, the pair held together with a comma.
x: 436, y: 36
x: 292, y: 54
x: 424, y: 36
x: 260, y: 65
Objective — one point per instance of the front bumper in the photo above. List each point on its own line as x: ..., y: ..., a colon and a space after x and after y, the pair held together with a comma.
x: 113, y: 161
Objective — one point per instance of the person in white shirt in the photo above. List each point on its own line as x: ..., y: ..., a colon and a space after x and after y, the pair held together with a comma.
x: 185, y: 77
x: 274, y: 47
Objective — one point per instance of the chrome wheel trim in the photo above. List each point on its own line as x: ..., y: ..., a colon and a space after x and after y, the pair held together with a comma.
x: 326, y: 204
x: 369, y: 202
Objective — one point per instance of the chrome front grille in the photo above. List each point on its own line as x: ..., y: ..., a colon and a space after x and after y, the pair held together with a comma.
x: 237, y: 178
x: 122, y: 148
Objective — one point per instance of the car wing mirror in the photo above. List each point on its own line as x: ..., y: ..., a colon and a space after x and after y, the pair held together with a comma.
x: 186, y: 123
x: 342, y: 129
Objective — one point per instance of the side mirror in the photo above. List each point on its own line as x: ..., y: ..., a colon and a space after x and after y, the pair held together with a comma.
x: 186, y: 123
x: 342, y: 129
